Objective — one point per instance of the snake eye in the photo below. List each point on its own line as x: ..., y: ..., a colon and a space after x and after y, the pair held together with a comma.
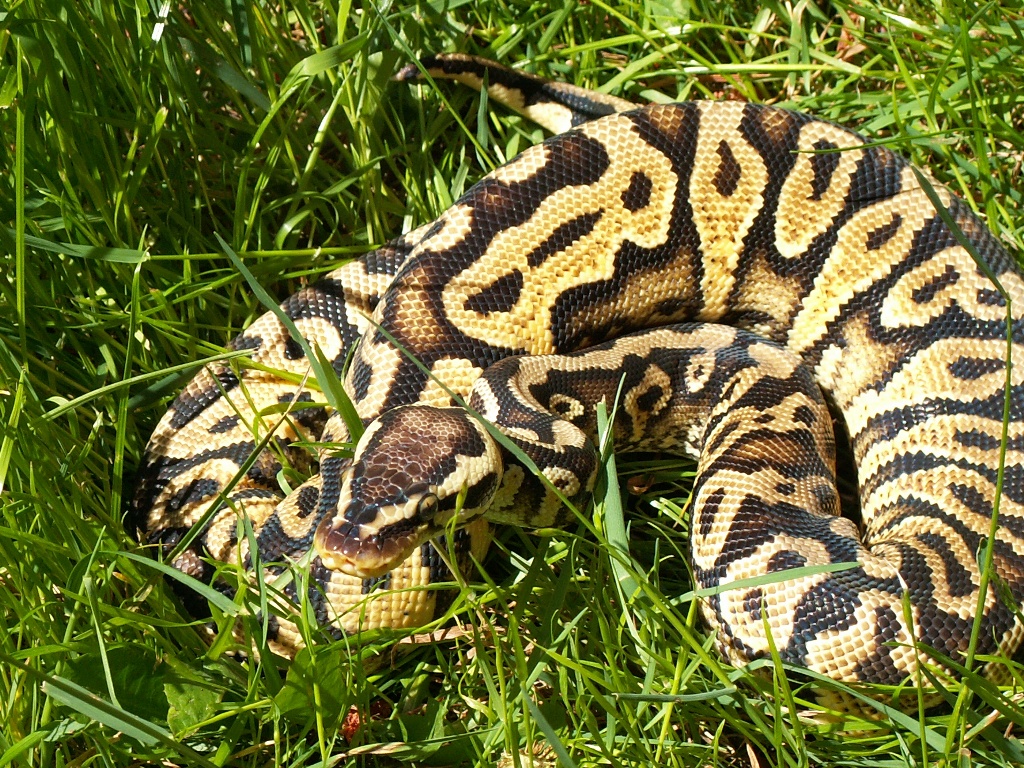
x: 427, y: 506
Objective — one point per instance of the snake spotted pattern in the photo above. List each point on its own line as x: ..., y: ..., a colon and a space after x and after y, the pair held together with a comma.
x: 720, y: 273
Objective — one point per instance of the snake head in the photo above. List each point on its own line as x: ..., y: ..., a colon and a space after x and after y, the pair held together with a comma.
x: 415, y: 469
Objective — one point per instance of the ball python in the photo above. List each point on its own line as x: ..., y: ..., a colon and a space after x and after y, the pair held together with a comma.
x: 718, y: 273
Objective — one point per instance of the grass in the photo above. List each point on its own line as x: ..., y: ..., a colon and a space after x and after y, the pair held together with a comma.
x: 134, y: 135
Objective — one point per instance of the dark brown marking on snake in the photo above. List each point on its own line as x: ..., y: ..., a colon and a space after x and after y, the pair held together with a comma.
x: 224, y: 424
x: 971, y: 498
x: 883, y: 666
x: 379, y: 583
x: 480, y: 491
x: 293, y: 350
x: 747, y: 453
x: 650, y: 398
x: 930, y: 240
x: 884, y: 233
x: 709, y: 511
x: 727, y: 177
x: 191, y: 404
x: 779, y: 129
x: 196, y: 491
x: 564, y: 236
x: 386, y: 260
x: 823, y: 166
x: 753, y: 602
x: 976, y: 438
x: 786, y: 560
x: 925, y: 293
x: 803, y: 414
x: 245, y: 341
x: 360, y: 378
x: 958, y: 579
x: 991, y: 297
x: 970, y: 368
x: 638, y: 194
x: 775, y: 135
x: 434, y: 228
x: 500, y: 296
x: 307, y: 500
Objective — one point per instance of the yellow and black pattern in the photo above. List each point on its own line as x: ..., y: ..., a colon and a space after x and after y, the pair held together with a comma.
x: 828, y: 251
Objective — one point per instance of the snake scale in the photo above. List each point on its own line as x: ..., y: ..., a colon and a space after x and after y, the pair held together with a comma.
x: 719, y: 272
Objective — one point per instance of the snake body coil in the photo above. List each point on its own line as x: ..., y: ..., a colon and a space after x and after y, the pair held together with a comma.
x: 826, y: 254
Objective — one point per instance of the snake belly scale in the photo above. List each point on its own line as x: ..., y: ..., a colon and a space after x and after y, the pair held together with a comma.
x: 596, y: 266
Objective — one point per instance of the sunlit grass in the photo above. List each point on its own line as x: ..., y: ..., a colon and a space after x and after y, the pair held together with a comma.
x: 133, y: 140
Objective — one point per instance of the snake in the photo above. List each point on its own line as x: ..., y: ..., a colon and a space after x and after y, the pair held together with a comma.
x: 733, y: 282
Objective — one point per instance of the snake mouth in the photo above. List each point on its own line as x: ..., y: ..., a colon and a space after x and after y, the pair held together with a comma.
x: 342, y: 548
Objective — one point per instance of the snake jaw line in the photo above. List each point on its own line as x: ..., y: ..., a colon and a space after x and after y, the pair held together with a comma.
x: 367, y: 558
